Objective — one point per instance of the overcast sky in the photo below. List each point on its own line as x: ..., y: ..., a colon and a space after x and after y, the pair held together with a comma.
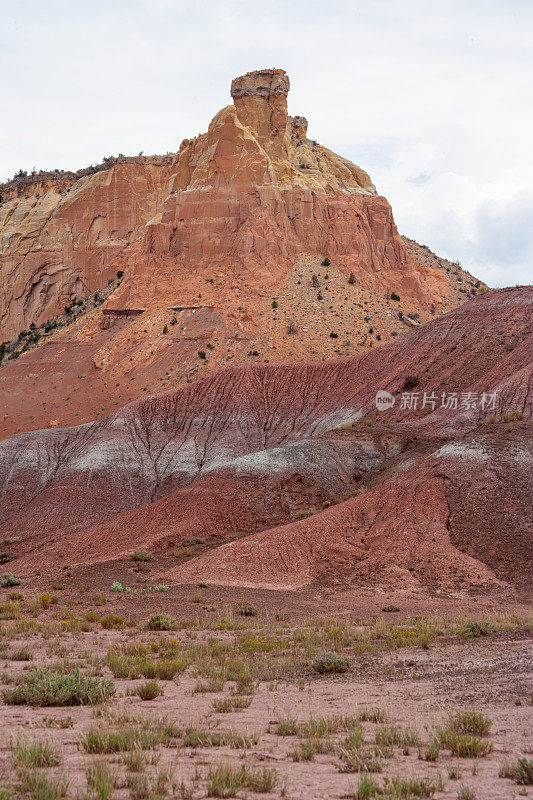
x: 434, y: 98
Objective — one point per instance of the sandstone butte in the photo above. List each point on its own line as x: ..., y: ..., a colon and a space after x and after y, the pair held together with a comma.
x: 221, y: 246
x: 287, y: 477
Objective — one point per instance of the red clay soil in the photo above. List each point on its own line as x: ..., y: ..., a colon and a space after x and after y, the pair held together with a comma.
x: 438, y: 501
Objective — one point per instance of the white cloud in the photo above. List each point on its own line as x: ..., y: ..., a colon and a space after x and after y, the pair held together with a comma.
x: 433, y: 99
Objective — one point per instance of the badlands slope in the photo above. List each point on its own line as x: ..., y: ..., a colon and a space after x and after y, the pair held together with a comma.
x: 291, y: 478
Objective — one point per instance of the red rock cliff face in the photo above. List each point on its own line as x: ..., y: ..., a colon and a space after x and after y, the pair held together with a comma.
x: 57, y: 237
x: 255, y: 193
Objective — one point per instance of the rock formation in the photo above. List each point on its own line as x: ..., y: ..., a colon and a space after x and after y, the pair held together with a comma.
x: 223, y: 248
x: 60, y: 232
x: 254, y: 194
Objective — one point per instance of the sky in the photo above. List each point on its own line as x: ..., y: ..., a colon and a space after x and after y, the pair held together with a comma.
x: 433, y: 98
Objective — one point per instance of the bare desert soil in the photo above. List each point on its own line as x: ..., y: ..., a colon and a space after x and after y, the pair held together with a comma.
x: 406, y: 674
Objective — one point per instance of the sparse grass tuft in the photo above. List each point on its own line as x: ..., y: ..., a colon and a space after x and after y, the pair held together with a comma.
x: 101, y: 781
x: 36, y: 786
x: 35, y: 754
x: 225, y: 780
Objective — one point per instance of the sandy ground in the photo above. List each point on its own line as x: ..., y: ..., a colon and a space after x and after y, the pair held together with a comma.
x: 415, y: 687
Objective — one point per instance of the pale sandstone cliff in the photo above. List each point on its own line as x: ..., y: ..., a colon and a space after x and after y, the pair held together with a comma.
x: 59, y: 233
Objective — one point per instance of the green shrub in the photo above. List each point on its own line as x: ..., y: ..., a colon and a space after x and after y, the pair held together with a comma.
x: 202, y: 354
x: 473, y: 722
x: 466, y: 746
x: 8, y: 579
x: 325, y: 263
x: 43, y: 687
x: 161, y: 622
x: 473, y: 629
x: 116, y: 586
x: 394, y: 296
x: 330, y: 662
x: 112, y: 621
x: 6, y: 557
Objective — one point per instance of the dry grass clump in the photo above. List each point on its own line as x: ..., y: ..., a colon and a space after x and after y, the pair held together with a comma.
x: 521, y: 771
x: 225, y: 780
x: 36, y: 754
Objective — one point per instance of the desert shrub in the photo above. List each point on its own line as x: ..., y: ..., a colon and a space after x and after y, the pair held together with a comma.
x: 165, y: 329
x: 390, y: 608
x: 161, y: 587
x: 43, y: 687
x: 161, y: 622
x: 246, y: 609
x: 325, y: 263
x: 6, y: 557
x: 120, y: 273
x: 351, y: 279
x: 333, y: 335
x: 314, y: 281
x: 112, y: 621
x: 394, y: 296
x: 473, y: 629
x: 116, y: 586
x: 330, y: 662
x: 473, y: 722
x: 274, y: 303
x: 8, y: 579
x: 148, y: 690
x: 202, y: 354
x: 140, y: 555
x: 521, y: 772
x: 467, y: 746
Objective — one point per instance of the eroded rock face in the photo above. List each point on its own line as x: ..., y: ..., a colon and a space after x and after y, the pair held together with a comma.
x: 58, y: 237
x: 255, y: 193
